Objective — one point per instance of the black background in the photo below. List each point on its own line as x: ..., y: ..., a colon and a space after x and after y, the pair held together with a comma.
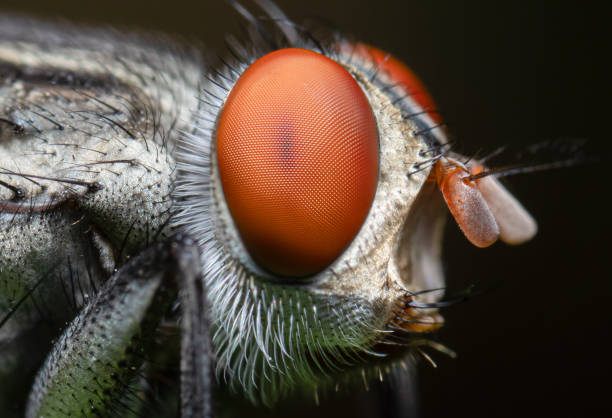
x: 502, y: 73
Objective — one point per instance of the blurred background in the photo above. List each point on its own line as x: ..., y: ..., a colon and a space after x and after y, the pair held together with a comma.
x: 501, y: 73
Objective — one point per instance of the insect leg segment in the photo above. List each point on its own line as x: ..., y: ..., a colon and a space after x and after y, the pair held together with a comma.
x: 482, y: 207
x: 196, y: 351
x: 95, y: 366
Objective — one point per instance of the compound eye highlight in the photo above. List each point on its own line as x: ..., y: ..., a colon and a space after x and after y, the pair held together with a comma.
x: 297, y: 149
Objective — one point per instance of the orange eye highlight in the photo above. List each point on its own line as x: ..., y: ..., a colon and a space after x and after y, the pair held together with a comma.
x: 404, y: 76
x: 297, y: 148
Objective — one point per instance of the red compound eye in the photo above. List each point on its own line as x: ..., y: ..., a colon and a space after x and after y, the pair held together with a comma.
x: 402, y: 75
x: 297, y: 147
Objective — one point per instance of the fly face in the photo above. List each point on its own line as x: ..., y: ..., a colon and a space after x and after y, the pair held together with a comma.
x: 295, y: 179
x: 288, y: 308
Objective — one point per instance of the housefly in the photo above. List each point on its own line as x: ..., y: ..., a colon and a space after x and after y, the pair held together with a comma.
x: 175, y: 227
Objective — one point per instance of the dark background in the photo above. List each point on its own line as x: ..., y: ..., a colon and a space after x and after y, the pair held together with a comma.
x: 502, y: 73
